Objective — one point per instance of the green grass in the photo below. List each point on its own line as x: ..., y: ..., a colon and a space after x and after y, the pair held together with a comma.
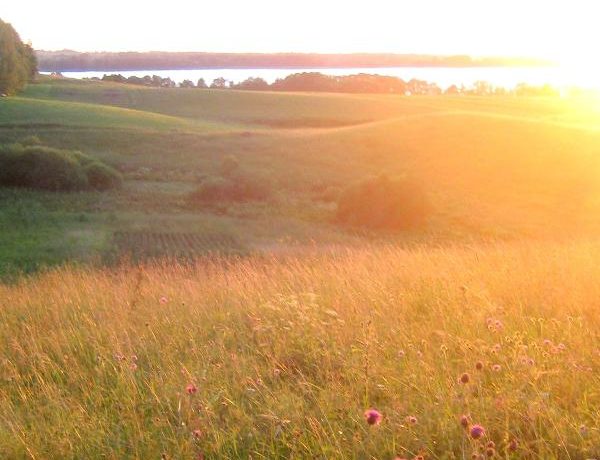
x: 27, y: 112
x: 494, y: 167
x: 41, y: 230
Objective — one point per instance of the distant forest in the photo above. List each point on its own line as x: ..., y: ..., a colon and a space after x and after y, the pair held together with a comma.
x: 66, y: 60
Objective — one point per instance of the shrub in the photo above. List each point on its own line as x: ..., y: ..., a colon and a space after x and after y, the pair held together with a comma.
x: 383, y: 203
x: 102, y: 177
x: 215, y: 190
x: 82, y: 158
x: 41, y: 168
x: 46, y: 168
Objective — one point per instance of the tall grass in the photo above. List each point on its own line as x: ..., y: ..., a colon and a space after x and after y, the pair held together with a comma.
x: 287, y: 353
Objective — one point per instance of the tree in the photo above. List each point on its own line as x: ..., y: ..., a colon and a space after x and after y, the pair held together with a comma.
x: 219, y: 83
x: 18, y: 63
x: 186, y: 84
x: 201, y: 84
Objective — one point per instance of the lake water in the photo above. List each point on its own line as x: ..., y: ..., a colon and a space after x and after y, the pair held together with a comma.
x: 507, y: 77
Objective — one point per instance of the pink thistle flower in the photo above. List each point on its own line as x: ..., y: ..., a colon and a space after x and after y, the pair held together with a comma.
x: 464, y: 378
x: 163, y: 300
x: 496, y: 367
x: 133, y: 366
x: 479, y: 365
x: 191, y: 389
x: 373, y: 416
x: 411, y: 419
x: 197, y: 433
x: 477, y: 431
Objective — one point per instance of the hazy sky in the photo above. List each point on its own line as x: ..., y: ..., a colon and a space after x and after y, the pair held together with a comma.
x: 562, y: 29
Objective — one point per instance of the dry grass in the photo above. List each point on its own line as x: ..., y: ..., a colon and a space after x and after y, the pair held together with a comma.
x: 287, y: 353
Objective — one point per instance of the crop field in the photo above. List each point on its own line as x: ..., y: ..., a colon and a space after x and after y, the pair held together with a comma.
x: 154, y: 321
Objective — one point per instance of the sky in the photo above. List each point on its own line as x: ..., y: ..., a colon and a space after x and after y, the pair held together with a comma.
x: 563, y: 30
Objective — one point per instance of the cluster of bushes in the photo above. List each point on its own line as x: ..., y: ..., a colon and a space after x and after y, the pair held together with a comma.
x: 18, y: 63
x: 383, y: 203
x: 230, y: 185
x: 35, y: 166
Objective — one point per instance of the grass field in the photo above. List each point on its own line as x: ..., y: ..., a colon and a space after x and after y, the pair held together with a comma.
x: 287, y: 353
x: 287, y: 325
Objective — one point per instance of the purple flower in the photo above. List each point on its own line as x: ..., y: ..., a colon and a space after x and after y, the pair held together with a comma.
x: 477, y: 431
x: 373, y: 417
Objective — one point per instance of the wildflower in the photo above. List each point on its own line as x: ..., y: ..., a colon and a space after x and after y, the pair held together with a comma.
x: 163, y: 300
x: 373, y: 417
x: 477, y: 431
x: 464, y: 421
x: 191, y: 388
x: 547, y: 342
x: 276, y: 372
x: 513, y: 445
x: 133, y: 366
x: 464, y: 378
x: 401, y: 354
x: 490, y: 452
x: 496, y: 367
x: 479, y: 365
x: 411, y: 419
x: 583, y: 430
x: 561, y: 346
x: 197, y: 433
x: 491, y: 445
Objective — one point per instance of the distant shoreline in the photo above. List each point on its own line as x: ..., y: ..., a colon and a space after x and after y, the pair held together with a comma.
x: 73, y: 61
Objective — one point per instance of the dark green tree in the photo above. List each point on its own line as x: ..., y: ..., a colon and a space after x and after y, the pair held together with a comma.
x: 18, y: 63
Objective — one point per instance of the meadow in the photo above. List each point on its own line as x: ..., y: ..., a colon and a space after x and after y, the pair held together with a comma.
x: 279, y: 357
x: 138, y: 325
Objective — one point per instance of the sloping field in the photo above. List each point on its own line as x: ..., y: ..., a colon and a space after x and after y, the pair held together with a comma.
x: 27, y: 112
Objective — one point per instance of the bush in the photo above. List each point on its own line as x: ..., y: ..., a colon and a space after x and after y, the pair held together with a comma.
x: 383, y: 203
x: 41, y: 168
x: 215, y: 190
x: 102, y: 177
x: 46, y: 168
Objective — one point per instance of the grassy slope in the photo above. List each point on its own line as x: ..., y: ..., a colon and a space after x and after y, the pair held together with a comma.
x: 493, y: 166
x: 287, y: 354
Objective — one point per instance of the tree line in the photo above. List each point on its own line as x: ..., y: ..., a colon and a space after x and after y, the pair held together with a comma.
x: 18, y: 62
x: 306, y: 81
x: 318, y: 82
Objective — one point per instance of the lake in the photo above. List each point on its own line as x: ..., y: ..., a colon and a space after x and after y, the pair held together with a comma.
x: 507, y: 77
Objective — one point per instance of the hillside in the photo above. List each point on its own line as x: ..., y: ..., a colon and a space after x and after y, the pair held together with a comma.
x: 494, y: 167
